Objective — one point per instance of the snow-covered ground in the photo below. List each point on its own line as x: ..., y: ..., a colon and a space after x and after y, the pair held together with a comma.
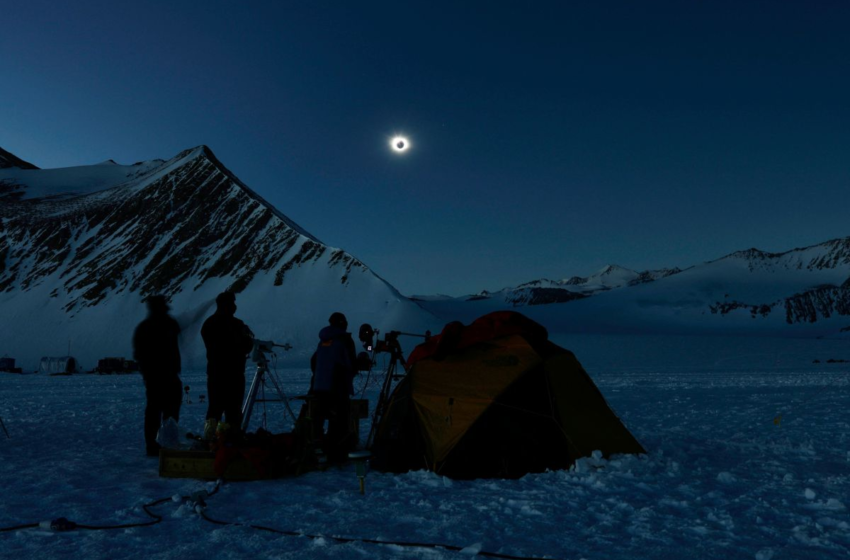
x: 721, y: 479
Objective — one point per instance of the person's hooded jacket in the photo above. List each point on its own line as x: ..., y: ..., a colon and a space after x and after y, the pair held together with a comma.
x: 334, y: 367
x: 155, y: 346
x: 228, y: 341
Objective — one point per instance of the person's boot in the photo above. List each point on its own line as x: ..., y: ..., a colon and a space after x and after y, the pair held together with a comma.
x: 169, y: 434
x: 152, y: 450
x: 223, y: 431
x: 209, y: 429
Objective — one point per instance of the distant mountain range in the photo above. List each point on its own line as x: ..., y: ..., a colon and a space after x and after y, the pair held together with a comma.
x: 801, y: 292
x: 543, y: 291
x: 80, y: 248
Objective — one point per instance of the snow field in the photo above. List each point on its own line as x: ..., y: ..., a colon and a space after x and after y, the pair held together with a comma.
x: 721, y: 479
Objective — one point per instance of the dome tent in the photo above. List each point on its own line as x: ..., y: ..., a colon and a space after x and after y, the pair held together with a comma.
x: 59, y: 366
x: 495, y: 399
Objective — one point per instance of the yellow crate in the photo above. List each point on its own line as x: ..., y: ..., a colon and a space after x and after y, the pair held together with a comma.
x: 175, y: 463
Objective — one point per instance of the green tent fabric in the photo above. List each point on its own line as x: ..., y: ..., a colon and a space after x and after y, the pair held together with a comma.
x: 502, y: 405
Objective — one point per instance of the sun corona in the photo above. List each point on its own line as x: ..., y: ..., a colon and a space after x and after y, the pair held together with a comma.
x: 399, y: 144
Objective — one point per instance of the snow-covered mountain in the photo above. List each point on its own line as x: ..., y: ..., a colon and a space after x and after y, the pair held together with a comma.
x: 803, y: 292
x: 81, y: 247
x: 544, y: 291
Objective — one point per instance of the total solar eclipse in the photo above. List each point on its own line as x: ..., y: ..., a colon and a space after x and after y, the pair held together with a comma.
x: 400, y: 144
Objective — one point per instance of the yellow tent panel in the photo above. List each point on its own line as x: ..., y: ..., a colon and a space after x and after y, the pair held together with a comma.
x: 500, y: 402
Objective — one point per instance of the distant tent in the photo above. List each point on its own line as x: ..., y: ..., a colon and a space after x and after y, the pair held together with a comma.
x: 116, y: 365
x: 64, y: 364
x: 495, y: 399
x: 7, y: 363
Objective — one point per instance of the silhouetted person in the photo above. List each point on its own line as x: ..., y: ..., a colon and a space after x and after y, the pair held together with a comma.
x: 156, y: 349
x: 228, y: 341
x: 334, y: 369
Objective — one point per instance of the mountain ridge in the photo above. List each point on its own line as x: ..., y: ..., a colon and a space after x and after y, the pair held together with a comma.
x: 744, y: 291
x: 186, y: 228
x: 8, y: 159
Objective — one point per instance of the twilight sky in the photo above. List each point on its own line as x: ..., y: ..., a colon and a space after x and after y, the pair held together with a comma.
x: 548, y: 138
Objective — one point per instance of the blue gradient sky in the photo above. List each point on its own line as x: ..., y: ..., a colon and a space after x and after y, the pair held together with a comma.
x: 550, y: 138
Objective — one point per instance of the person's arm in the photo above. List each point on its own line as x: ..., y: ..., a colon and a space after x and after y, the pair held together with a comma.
x: 312, y: 369
x: 247, y: 338
x: 177, y: 363
x: 137, y: 343
x: 351, y: 350
x: 205, y: 333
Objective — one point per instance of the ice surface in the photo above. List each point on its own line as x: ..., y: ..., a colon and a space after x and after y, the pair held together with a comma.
x: 721, y: 480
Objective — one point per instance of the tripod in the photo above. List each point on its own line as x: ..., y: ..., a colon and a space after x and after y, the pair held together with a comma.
x: 396, y: 357
x: 261, y: 377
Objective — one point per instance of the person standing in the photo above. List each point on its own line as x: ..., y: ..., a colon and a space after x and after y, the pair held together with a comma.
x: 157, y: 351
x: 334, y: 368
x: 228, y: 342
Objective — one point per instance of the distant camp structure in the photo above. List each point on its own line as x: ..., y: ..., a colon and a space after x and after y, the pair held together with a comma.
x: 64, y: 365
x: 106, y: 366
x: 7, y: 365
x: 495, y: 399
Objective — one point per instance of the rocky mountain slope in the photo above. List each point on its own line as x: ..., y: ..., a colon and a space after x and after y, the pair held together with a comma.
x: 8, y: 160
x: 81, y: 247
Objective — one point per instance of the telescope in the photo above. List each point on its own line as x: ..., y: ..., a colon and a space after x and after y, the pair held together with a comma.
x: 263, y: 347
x: 390, y: 341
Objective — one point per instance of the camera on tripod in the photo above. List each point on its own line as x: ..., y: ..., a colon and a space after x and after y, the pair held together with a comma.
x: 388, y: 344
x: 367, y: 336
x: 263, y: 347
